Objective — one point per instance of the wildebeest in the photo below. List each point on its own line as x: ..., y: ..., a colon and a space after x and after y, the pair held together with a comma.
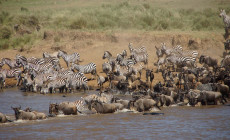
x: 105, y: 107
x: 67, y: 108
x: 141, y: 105
x: 3, y: 118
x: 20, y: 114
x: 39, y: 115
x: 211, y: 62
x: 206, y: 97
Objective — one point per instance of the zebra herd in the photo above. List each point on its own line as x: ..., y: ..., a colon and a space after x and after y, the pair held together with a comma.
x: 175, y: 56
x: 46, y: 74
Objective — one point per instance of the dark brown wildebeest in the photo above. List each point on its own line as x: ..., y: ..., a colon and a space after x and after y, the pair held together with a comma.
x: 3, y: 118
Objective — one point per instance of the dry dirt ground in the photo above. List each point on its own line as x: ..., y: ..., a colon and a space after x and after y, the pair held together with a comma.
x: 91, y: 46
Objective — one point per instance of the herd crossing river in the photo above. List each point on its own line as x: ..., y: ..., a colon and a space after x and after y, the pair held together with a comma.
x: 175, y: 122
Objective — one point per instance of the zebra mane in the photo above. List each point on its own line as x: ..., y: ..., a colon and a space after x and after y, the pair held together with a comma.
x: 6, y: 58
x: 63, y: 51
x: 109, y: 53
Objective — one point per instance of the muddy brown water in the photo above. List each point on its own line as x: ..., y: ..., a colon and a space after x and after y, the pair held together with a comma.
x: 209, y: 122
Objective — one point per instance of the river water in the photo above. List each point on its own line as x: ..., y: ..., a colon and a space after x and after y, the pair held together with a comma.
x: 208, y: 122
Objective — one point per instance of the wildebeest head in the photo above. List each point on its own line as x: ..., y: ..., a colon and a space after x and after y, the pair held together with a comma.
x: 201, y: 60
x: 17, y: 111
x: 53, y: 109
x: 28, y: 109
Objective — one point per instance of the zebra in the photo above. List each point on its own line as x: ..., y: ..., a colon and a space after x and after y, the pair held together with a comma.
x: 58, y: 83
x: 1, y: 64
x: 78, y: 80
x: 80, y: 104
x: 159, y: 53
x: 69, y: 58
x: 89, y: 68
x: 140, y: 57
x: 180, y: 61
x: 167, y: 51
x: 189, y: 53
x: 106, y: 67
x: 124, y: 61
x: 137, y: 68
x: 65, y: 73
x: 161, y: 61
x: 11, y: 73
x: 121, y: 71
x: 226, y: 18
x: 138, y: 50
x: 47, y: 55
x: 27, y: 82
x: 111, y: 59
x: 21, y: 60
x: 40, y: 79
x: 10, y: 63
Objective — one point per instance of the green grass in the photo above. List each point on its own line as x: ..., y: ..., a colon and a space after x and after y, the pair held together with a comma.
x: 103, y: 15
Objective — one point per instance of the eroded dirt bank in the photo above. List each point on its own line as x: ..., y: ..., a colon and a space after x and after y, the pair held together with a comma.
x: 91, y: 45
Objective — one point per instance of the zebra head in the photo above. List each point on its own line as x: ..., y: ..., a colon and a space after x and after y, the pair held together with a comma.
x: 107, y: 54
x: 222, y: 13
x: 119, y: 58
x: 163, y: 47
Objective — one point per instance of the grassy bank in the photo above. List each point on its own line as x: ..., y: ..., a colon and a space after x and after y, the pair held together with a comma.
x: 104, y: 15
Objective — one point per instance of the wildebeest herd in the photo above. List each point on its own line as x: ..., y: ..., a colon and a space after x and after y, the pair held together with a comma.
x: 189, y: 78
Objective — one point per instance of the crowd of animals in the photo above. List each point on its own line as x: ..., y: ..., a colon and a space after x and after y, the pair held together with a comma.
x: 189, y: 78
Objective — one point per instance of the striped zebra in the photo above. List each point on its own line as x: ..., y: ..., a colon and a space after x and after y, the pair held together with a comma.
x: 40, y: 79
x: 125, y: 61
x: 58, y: 83
x: 136, y: 50
x: 80, y: 105
x: 168, y: 51
x: 121, y: 71
x: 69, y: 58
x: 89, y: 68
x: 159, y: 53
x: 21, y: 60
x: 11, y: 73
x: 47, y: 55
x: 181, y: 61
x: 78, y: 81
x: 140, y: 57
x: 27, y: 82
x: 36, y: 69
x: 111, y: 59
x: 135, y: 69
x: 65, y: 73
x: 106, y: 67
x: 226, y: 18
x: 10, y: 63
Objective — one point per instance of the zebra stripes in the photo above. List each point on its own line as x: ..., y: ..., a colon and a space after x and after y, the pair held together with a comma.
x: 125, y: 61
x: 11, y: 73
x: 10, y: 63
x: 136, y: 50
x: 89, y: 68
x: 69, y: 58
x: 78, y: 80
x: 226, y: 18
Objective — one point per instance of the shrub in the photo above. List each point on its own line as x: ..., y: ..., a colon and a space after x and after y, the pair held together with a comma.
x: 5, y: 33
x: 78, y: 24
